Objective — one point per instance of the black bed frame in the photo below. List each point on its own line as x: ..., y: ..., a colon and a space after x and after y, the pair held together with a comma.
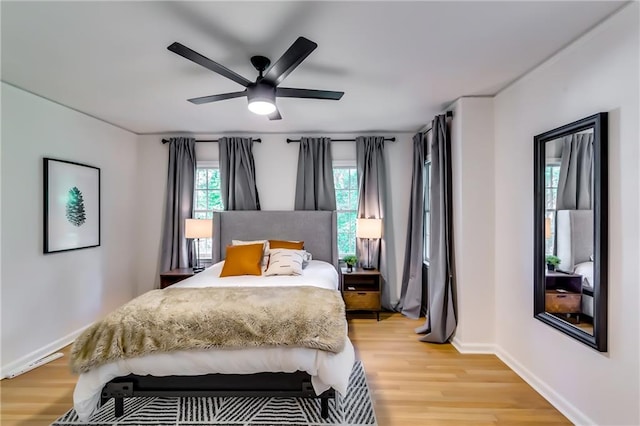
x: 296, y: 384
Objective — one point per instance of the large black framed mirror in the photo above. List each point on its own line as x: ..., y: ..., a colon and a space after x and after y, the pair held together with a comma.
x: 570, y: 229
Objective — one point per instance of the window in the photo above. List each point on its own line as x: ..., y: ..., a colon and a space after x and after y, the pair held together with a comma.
x: 551, y: 177
x: 426, y: 224
x: 206, y: 199
x: 345, y: 179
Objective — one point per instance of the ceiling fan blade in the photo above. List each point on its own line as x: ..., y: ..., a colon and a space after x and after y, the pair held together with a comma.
x: 194, y: 56
x: 287, y: 92
x: 275, y: 115
x: 214, y: 98
x: 299, y: 50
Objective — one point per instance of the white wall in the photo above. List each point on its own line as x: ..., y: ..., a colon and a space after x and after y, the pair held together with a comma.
x: 597, y: 73
x: 276, y: 169
x: 48, y: 298
x: 472, y: 156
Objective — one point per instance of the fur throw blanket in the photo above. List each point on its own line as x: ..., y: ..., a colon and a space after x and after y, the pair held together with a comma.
x: 223, y: 317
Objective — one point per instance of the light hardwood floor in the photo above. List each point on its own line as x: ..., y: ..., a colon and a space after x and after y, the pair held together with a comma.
x: 412, y: 383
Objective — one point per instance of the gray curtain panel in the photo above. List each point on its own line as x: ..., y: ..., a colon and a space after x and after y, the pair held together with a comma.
x: 372, y: 189
x: 315, y: 189
x: 176, y: 250
x: 576, y: 173
x: 412, y: 294
x: 441, y: 317
x: 238, y: 174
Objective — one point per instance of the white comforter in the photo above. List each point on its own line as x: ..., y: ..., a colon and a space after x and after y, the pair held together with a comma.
x: 327, y: 370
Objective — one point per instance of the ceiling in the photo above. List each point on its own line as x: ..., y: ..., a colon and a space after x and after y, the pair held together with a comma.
x: 399, y: 63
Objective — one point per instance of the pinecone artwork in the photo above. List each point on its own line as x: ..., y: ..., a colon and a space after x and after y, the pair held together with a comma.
x: 75, y: 207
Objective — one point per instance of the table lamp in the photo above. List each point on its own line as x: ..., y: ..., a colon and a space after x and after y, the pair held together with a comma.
x: 196, y: 229
x: 547, y: 228
x: 370, y: 229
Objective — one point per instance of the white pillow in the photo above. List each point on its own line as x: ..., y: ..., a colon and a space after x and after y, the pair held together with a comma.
x: 265, y: 249
x: 285, y: 262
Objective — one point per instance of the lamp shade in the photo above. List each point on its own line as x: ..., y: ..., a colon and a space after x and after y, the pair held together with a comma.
x: 369, y: 228
x: 547, y: 228
x: 198, y: 228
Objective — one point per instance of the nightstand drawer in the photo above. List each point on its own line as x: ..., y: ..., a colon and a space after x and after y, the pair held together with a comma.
x: 559, y: 302
x: 362, y: 300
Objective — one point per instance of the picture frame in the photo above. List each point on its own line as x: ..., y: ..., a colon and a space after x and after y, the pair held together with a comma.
x: 71, y: 205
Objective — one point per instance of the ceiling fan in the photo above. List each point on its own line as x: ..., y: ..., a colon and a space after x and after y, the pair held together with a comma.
x: 262, y: 93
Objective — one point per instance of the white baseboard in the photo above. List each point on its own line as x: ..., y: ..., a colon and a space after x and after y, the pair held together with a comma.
x: 32, y: 357
x: 473, y: 348
x: 576, y: 416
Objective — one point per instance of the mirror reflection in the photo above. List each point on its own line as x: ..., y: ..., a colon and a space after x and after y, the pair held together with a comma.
x: 568, y: 229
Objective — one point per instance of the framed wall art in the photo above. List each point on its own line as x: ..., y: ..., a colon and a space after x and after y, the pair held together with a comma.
x: 71, y: 206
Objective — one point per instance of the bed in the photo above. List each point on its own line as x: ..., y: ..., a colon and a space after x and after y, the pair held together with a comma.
x: 260, y: 371
x: 574, y: 247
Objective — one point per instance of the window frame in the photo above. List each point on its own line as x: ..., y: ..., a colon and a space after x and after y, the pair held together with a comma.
x: 347, y: 164
x: 207, y: 164
x: 551, y: 163
x: 426, y: 211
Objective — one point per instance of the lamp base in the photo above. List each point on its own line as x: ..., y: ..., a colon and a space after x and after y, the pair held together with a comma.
x: 368, y: 268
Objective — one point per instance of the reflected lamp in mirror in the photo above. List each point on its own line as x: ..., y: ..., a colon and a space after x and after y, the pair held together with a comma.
x: 369, y: 229
x: 194, y: 229
x: 570, y: 228
x: 547, y: 228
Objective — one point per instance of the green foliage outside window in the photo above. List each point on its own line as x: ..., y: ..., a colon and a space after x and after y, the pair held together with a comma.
x: 206, y: 200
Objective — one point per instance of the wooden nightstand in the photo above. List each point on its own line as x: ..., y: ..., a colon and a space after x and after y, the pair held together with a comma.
x: 361, y: 290
x: 173, y: 276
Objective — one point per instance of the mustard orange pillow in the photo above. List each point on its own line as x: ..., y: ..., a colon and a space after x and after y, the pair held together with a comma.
x: 290, y: 245
x: 265, y: 252
x: 243, y: 260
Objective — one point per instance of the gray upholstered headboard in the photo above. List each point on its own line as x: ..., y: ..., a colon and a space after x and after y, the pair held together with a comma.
x: 574, y: 238
x: 316, y: 228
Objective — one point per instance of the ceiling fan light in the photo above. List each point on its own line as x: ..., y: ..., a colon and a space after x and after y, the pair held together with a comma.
x: 262, y: 99
x: 261, y: 106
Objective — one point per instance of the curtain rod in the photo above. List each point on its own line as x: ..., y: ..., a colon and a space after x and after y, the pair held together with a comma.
x: 210, y: 140
x: 341, y: 140
x: 448, y: 114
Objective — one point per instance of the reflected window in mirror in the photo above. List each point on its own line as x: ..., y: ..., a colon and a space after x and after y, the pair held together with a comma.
x: 551, y: 175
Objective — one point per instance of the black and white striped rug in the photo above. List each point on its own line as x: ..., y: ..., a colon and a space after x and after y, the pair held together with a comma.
x: 354, y: 409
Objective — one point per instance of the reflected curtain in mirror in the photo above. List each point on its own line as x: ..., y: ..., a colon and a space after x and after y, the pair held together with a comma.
x: 576, y: 173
